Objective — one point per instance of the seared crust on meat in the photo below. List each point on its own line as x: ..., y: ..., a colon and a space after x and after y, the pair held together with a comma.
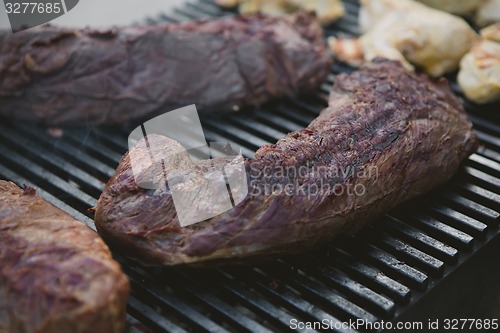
x: 56, y: 274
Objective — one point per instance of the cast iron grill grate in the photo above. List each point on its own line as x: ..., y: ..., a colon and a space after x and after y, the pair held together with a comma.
x: 380, y: 274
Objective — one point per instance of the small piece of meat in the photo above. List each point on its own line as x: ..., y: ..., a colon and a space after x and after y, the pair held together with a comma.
x: 56, y: 274
x: 388, y: 135
x: 64, y: 76
x: 479, y: 75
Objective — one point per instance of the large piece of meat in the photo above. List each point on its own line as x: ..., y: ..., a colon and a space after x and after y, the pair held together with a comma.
x: 64, y: 76
x: 56, y: 274
x: 388, y: 135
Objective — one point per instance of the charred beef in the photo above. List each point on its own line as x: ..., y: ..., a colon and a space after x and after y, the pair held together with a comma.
x: 65, y: 76
x: 390, y: 133
x: 56, y: 274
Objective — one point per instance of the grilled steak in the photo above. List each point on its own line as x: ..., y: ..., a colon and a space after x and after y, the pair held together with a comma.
x: 56, y: 275
x: 64, y: 76
x: 388, y: 135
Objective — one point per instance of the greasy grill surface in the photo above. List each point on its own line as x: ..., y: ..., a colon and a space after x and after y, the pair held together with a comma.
x: 378, y: 275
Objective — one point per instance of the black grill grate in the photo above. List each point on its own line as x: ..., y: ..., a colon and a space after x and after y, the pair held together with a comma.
x: 381, y: 274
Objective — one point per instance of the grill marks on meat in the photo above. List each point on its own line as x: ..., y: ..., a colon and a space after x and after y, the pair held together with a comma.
x: 56, y: 274
x: 410, y: 131
x: 64, y: 76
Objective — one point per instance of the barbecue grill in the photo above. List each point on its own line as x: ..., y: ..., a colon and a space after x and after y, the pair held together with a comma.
x: 433, y: 257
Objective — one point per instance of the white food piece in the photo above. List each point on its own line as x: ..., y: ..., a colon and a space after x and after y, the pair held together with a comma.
x: 459, y: 7
x: 479, y: 75
x: 327, y: 11
x: 410, y: 32
x: 485, y: 11
x: 227, y: 3
x: 488, y: 13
